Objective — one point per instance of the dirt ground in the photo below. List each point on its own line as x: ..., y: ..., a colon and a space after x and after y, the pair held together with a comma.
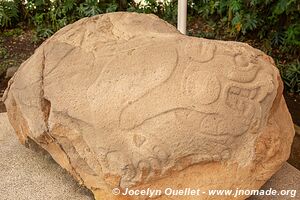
x: 16, y: 46
x: 293, y: 103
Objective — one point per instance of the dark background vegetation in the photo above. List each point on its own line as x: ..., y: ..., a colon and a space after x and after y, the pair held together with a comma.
x: 270, y: 25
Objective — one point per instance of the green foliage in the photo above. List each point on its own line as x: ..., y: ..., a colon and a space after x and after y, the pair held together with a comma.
x: 7, y: 63
x: 166, y: 10
x: 3, y: 68
x: 273, y: 25
x: 48, y: 16
x: 276, y: 20
x: 89, y: 8
x: 3, y: 53
x: 9, y: 13
x: 112, y: 7
x: 13, y: 32
x: 290, y: 74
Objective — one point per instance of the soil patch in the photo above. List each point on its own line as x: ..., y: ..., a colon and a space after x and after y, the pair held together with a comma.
x: 15, y: 47
x: 293, y: 103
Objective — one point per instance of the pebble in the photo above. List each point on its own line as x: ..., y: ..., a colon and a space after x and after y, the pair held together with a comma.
x: 10, y: 72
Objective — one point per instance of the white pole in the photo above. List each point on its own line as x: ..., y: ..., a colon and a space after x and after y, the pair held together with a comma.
x: 182, y: 14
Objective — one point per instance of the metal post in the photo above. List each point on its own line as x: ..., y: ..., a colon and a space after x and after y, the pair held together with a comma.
x: 182, y: 15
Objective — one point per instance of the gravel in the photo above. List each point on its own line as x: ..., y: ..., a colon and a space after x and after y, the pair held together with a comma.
x: 28, y: 175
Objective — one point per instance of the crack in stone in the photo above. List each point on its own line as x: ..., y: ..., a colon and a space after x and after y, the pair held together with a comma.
x: 70, y: 163
x: 46, y: 108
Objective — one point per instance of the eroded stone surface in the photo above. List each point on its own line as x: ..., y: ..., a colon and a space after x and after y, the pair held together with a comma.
x: 124, y: 100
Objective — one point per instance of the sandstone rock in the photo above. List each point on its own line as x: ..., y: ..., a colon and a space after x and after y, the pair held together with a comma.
x: 124, y: 100
x: 10, y: 72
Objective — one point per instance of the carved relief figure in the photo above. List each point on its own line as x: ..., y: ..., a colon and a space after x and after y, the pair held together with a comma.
x: 124, y: 100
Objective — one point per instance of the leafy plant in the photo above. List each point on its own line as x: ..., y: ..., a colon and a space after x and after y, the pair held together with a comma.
x: 13, y: 32
x: 112, y: 7
x: 3, y: 53
x: 44, y: 32
x: 291, y: 76
x: 276, y: 20
x: 273, y: 25
x: 89, y: 8
x: 9, y: 13
x: 165, y: 9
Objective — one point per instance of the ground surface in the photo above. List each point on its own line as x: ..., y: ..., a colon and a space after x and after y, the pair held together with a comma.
x: 28, y: 175
x: 288, y: 178
x: 295, y: 153
x: 16, y: 46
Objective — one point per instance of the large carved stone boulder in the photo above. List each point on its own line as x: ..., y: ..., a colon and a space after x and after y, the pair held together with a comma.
x: 123, y: 100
